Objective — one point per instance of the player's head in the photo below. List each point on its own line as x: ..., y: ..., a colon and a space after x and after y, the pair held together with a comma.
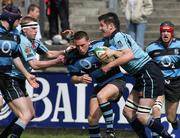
x: 82, y: 42
x: 11, y: 14
x: 29, y: 26
x: 166, y: 31
x: 108, y: 23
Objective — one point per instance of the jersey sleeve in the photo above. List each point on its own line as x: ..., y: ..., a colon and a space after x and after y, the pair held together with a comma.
x: 123, y: 41
x: 41, y: 48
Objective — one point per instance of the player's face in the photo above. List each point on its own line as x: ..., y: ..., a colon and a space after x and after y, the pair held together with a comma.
x: 82, y: 45
x: 166, y: 36
x: 105, y: 28
x: 30, y: 32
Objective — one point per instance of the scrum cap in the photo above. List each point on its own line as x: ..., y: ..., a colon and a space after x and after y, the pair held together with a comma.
x: 10, y: 13
x: 167, y: 26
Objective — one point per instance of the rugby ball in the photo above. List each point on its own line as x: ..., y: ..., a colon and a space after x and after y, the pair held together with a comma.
x: 99, y: 51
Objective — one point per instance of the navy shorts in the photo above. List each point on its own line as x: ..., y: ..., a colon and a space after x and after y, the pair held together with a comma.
x: 12, y: 88
x: 150, y: 81
x: 172, y: 89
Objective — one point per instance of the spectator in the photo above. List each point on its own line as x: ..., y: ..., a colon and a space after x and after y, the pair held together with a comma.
x: 6, y: 2
x: 57, y: 9
x: 136, y: 13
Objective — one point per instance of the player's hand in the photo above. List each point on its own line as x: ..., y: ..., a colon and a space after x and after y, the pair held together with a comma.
x: 32, y: 81
x: 106, y: 68
x: 60, y: 59
x: 69, y: 48
x: 86, y: 79
x: 108, y: 53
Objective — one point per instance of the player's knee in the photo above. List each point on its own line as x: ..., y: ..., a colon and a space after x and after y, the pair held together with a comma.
x: 26, y: 116
x: 143, y: 118
x: 101, y: 98
x: 130, y: 109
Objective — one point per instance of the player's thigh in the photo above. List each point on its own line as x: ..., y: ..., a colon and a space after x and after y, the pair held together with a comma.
x: 110, y: 91
x: 113, y: 90
x: 1, y: 102
x: 20, y: 106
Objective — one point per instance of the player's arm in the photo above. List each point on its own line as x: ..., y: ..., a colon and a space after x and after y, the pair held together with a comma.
x: 54, y: 53
x: 37, y: 64
x: 81, y: 79
x: 123, y: 57
x: 30, y: 78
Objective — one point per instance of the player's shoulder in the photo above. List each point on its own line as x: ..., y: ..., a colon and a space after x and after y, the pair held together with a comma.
x: 156, y: 42
x: 176, y: 39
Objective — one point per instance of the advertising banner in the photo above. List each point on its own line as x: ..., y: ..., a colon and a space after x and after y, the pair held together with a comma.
x: 61, y: 104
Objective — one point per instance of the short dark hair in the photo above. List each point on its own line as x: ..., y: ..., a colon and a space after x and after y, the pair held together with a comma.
x: 110, y: 17
x: 32, y: 7
x: 80, y: 34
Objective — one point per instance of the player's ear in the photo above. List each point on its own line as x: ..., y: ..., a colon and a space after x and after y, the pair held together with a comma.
x: 111, y: 26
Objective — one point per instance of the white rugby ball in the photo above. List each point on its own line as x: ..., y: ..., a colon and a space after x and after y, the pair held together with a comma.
x: 99, y: 51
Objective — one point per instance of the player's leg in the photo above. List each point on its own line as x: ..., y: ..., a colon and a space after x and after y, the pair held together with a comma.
x: 22, y: 109
x: 93, y: 118
x: 18, y: 103
x: 129, y: 112
x: 110, y: 92
x: 153, y: 86
x: 172, y: 94
x: 156, y: 112
x: 171, y: 109
x: 8, y: 130
x: 1, y: 101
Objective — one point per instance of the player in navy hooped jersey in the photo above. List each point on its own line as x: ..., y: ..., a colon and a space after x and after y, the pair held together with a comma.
x: 84, y: 67
x: 166, y: 52
x: 9, y: 55
x: 29, y: 46
x: 149, y: 82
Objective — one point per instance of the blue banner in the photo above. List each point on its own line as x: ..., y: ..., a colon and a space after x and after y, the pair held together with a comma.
x: 61, y: 104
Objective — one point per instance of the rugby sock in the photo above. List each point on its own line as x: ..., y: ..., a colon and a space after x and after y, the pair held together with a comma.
x: 138, y: 128
x: 157, y: 127
x: 8, y: 129
x: 107, y: 112
x: 17, y: 129
x: 94, y: 131
x: 154, y: 134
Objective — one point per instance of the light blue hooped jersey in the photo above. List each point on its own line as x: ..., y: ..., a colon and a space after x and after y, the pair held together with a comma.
x: 123, y: 41
x: 28, y: 50
x: 167, y: 58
